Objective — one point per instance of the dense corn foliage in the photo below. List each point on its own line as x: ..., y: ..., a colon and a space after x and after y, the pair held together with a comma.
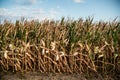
x: 64, y: 46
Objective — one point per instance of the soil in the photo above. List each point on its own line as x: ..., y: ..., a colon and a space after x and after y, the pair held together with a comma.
x: 51, y: 76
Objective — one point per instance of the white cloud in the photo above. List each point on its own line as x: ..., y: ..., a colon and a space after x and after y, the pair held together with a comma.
x: 78, y: 1
x: 27, y: 2
x: 53, y: 11
x: 32, y: 1
x: 31, y: 13
x: 2, y: 9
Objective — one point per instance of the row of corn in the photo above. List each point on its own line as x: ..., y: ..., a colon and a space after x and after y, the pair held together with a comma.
x: 64, y: 46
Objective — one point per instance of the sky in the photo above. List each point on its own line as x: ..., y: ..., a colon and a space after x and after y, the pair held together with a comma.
x: 55, y: 9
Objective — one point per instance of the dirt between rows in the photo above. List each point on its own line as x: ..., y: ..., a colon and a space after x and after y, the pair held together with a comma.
x: 50, y: 76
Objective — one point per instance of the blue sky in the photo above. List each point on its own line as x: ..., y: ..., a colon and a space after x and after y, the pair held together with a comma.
x: 55, y: 9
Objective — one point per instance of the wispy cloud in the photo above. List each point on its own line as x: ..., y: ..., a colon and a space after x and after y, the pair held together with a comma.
x: 30, y: 1
x: 27, y: 2
x: 2, y: 10
x: 78, y: 1
x: 33, y: 1
x: 21, y: 11
x: 30, y: 13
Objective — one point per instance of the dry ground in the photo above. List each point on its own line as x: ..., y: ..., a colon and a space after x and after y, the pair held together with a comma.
x: 51, y: 76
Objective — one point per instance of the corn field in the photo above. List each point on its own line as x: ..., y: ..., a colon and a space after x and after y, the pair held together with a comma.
x: 60, y: 46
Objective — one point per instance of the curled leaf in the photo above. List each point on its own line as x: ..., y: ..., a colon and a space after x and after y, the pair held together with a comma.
x: 100, y: 56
